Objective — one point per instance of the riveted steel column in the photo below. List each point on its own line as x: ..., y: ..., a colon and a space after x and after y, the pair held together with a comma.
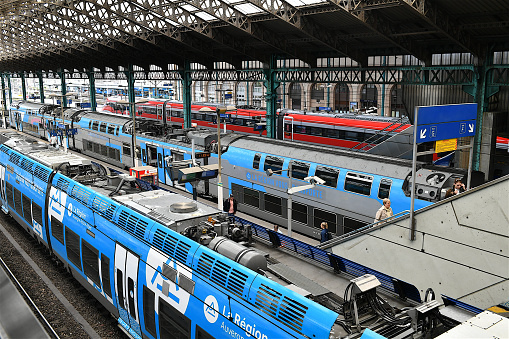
x: 4, y: 97
x: 481, y: 98
x: 9, y: 90
x: 23, y: 85
x: 41, y: 86
x: 185, y: 74
x: 64, y: 88
x: 271, y: 96
x: 91, y: 90
x: 130, y: 86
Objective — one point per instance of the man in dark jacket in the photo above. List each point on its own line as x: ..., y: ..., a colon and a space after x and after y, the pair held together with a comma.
x: 230, y: 206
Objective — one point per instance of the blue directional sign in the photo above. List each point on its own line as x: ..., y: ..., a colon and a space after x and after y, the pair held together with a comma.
x: 445, y: 122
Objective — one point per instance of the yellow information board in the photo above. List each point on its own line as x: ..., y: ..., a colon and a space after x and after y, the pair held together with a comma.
x: 446, y: 145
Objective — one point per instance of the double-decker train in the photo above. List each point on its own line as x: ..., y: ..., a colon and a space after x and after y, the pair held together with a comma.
x: 155, y: 281
x: 354, y: 183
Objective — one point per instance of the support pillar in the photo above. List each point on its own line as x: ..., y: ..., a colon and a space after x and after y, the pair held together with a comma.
x: 4, y: 98
x: 41, y: 86
x: 9, y: 90
x: 91, y: 90
x: 185, y: 75
x: 23, y: 85
x: 271, y: 96
x: 130, y: 85
x: 64, y: 88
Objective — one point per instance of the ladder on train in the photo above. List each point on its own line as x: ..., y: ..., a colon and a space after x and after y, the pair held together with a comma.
x: 377, y: 137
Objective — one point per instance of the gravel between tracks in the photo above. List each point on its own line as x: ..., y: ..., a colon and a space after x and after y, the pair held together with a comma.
x: 53, y: 310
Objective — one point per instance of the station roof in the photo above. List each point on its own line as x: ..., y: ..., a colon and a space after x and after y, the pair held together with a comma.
x: 77, y: 34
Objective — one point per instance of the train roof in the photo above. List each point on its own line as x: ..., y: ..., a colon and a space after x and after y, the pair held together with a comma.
x: 357, y: 161
x: 107, y: 117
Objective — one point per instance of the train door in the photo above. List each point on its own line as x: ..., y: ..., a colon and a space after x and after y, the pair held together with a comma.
x: 2, y: 190
x: 161, y: 165
x: 126, y: 286
x: 152, y: 155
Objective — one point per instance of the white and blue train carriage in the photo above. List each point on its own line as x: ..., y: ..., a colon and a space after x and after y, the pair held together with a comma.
x: 116, y: 241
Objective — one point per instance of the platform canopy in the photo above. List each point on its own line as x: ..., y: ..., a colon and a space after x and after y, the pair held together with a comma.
x: 78, y: 34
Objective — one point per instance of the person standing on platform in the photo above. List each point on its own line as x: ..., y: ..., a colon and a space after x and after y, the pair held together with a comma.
x: 53, y: 141
x: 230, y: 206
x: 385, y: 211
x: 324, y: 234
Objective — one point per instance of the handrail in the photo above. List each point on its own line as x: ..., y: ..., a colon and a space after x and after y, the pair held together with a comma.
x: 331, y: 260
x: 362, y: 230
x: 380, y: 133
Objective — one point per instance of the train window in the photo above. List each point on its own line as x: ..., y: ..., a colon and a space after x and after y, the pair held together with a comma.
x: 251, y: 197
x: 330, y: 175
x: 300, y: 129
x: 209, y: 117
x: 316, y: 131
x: 72, y: 245
x: 105, y: 272
x: 202, y: 334
x: 352, y: 224
x: 120, y: 288
x: 358, y: 183
x: 90, y: 262
x: 102, y: 127
x: 172, y: 323
x: 37, y: 213
x: 95, y: 125
x: 111, y: 129
x: 149, y: 311
x: 117, y: 129
x: 256, y: 161
x: 274, y: 163
x: 300, y: 212
x: 130, y: 297
x: 17, y: 201
x: 320, y: 216
x: 331, y: 133
x: 384, y: 189
x: 300, y: 170
x: 273, y: 204
x: 27, y: 209
x: 144, y: 155
x: 160, y: 160
x: 354, y: 136
x: 90, y: 124
x: 9, y: 195
x: 57, y: 230
x: 104, y: 150
x: 126, y: 149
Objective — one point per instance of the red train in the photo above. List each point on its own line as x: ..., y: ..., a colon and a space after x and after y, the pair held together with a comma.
x: 339, y: 130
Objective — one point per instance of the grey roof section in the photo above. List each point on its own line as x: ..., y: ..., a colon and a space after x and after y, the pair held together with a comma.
x: 108, y: 117
x: 399, y: 145
x: 362, y: 162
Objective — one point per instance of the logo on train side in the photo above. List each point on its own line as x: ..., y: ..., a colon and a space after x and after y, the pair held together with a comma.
x: 211, y: 309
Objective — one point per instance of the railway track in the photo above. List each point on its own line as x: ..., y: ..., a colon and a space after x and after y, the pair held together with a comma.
x: 65, y: 308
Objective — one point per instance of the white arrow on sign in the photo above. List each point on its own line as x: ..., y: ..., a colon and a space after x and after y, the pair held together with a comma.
x: 423, y: 133
x: 470, y: 128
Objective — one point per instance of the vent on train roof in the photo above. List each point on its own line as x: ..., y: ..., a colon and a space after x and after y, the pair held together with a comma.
x: 14, y: 158
x: 26, y: 165
x: 289, y: 311
x: 62, y: 184
x: 171, y: 246
x: 104, y: 207
x: 81, y: 194
x: 132, y: 224
x: 41, y: 173
x: 222, y: 274
x: 4, y: 149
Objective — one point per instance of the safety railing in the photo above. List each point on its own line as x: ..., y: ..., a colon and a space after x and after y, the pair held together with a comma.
x: 363, y: 230
x: 331, y: 260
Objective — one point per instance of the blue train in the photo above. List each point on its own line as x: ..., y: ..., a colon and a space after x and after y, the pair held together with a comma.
x: 155, y: 281
x: 355, y: 183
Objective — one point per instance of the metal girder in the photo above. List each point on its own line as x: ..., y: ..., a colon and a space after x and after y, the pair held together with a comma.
x: 453, y: 75
x: 143, y: 15
x: 441, y: 21
x: 365, y: 13
x: 284, y: 11
x: 237, y: 19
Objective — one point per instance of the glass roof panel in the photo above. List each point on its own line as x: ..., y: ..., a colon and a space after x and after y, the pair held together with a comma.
x: 205, y: 16
x: 247, y: 9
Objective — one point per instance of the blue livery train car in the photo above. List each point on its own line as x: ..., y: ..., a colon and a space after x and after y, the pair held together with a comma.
x: 124, y: 245
x: 355, y: 182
